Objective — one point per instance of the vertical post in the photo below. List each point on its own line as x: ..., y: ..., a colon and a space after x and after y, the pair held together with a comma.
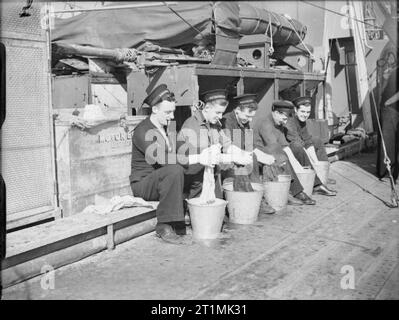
x: 3, y: 208
x: 324, y: 110
x: 240, y: 86
x: 48, y: 22
x: 266, y: 61
x: 195, y: 90
x: 110, y: 237
x: 276, y: 88
x: 265, y: 97
x: 302, y: 88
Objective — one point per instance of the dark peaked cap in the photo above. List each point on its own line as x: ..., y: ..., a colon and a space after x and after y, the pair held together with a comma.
x: 302, y: 101
x: 156, y: 95
x: 245, y: 99
x: 216, y: 94
x: 283, y: 106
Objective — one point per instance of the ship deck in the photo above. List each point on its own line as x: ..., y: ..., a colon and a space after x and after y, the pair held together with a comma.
x: 344, y: 247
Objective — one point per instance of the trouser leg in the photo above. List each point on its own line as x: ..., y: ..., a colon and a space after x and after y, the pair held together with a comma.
x: 300, y: 154
x: 296, y: 186
x: 254, y: 176
x: 283, y: 166
x: 303, y: 158
x: 193, y: 184
x: 166, y: 186
x: 320, y: 149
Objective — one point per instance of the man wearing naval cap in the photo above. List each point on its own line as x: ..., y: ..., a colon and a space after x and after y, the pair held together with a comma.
x: 237, y: 124
x: 155, y: 173
x: 203, y: 130
x: 269, y: 137
x: 298, y: 132
x: 303, y: 145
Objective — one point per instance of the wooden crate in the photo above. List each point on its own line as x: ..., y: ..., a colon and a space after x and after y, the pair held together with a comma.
x: 94, y: 161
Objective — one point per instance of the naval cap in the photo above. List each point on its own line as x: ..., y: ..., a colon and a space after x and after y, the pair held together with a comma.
x: 246, y: 100
x: 215, y: 94
x: 301, y: 101
x: 157, y: 95
x: 283, y: 106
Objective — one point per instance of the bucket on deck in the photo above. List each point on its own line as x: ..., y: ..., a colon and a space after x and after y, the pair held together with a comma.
x: 243, y: 206
x: 206, y: 220
x: 284, y: 178
x: 322, y: 170
x: 276, y: 192
x: 306, y: 178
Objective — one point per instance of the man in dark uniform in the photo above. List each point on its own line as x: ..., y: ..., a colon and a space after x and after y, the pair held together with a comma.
x: 237, y: 125
x: 155, y: 173
x: 303, y: 145
x: 389, y: 110
x: 203, y: 130
x: 269, y: 137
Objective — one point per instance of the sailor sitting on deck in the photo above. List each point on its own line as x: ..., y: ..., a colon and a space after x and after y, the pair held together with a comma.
x: 203, y: 130
x: 155, y: 173
x: 269, y: 137
x: 237, y: 124
x: 307, y: 149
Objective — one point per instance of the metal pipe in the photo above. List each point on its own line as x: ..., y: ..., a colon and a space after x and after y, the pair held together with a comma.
x: 131, y: 6
x: 118, y: 55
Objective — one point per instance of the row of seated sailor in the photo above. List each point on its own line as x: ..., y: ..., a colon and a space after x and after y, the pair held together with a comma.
x: 169, y: 167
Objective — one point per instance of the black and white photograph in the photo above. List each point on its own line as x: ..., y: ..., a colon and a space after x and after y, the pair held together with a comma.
x: 199, y: 155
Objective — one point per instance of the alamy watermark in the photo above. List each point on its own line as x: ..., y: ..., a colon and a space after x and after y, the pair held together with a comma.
x: 47, y: 281
x: 348, y: 280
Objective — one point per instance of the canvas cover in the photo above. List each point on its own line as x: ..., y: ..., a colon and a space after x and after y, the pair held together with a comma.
x: 192, y: 22
x: 131, y: 28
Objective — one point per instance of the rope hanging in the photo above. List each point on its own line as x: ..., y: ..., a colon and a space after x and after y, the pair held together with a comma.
x: 269, y: 28
x: 387, y: 161
x: 191, y: 26
x: 338, y: 13
x: 303, y: 43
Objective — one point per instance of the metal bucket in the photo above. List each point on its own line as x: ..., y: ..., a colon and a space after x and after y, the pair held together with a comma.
x: 322, y: 170
x: 243, y: 206
x: 306, y: 178
x: 284, y: 178
x: 206, y: 220
x: 276, y: 192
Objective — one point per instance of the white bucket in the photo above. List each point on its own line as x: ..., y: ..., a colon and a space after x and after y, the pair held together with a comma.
x: 243, y: 206
x: 306, y: 178
x: 276, y: 192
x: 206, y: 220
